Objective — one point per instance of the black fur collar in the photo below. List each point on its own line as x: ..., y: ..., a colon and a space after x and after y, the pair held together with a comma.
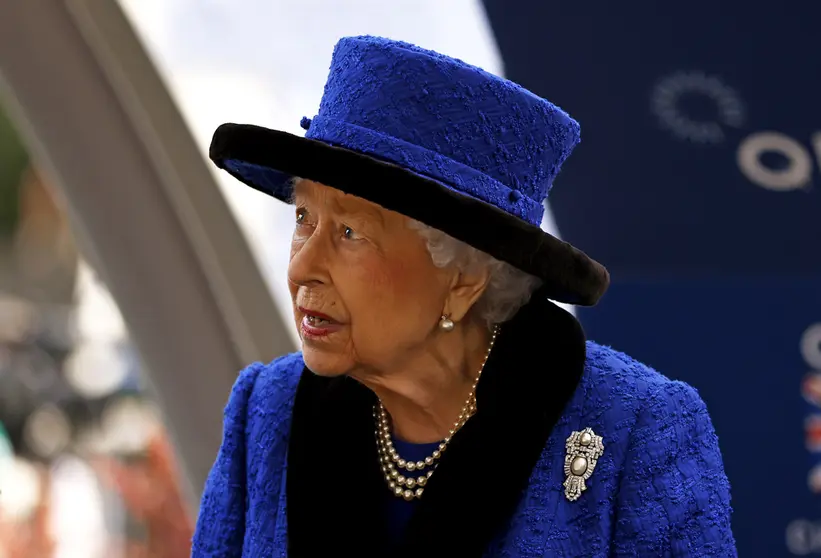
x: 335, y: 490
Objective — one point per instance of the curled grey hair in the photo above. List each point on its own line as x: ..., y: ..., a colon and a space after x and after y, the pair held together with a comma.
x: 508, y: 288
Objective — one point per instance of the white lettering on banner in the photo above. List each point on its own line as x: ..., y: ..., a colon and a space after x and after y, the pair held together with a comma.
x: 803, y: 537
x: 811, y: 346
x: 672, y: 102
x: 798, y: 172
x: 671, y: 93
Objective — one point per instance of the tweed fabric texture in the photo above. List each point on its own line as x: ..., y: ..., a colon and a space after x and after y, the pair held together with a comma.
x: 658, y: 490
x: 479, y: 134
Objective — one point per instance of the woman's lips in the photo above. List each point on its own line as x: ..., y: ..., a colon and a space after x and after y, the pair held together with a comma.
x: 316, y: 324
x: 314, y: 327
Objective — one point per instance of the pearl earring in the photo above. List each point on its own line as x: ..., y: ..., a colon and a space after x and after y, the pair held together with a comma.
x: 446, y: 324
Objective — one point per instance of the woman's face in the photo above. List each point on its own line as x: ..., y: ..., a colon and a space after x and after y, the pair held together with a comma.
x: 365, y: 291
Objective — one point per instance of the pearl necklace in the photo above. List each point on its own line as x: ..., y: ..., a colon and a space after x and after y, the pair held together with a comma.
x: 402, y: 484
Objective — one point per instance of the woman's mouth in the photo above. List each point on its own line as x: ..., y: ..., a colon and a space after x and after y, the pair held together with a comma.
x: 315, y: 325
x: 316, y: 321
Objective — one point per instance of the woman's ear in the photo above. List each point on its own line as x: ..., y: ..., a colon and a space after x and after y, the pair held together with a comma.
x: 466, y: 288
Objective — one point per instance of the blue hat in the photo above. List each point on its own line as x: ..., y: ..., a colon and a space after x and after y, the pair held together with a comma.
x: 435, y: 139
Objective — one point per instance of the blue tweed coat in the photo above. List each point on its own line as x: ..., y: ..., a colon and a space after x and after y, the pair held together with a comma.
x: 297, y: 474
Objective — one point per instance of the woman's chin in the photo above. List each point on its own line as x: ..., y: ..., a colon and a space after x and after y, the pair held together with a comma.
x: 324, y: 363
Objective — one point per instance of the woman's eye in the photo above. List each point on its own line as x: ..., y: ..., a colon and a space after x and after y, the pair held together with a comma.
x: 349, y: 234
x: 300, y: 217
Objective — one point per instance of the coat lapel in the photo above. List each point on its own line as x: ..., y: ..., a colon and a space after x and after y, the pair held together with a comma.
x: 336, y: 508
x: 334, y: 493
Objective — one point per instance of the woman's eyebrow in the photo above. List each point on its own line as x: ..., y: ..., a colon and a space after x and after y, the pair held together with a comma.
x: 361, y: 209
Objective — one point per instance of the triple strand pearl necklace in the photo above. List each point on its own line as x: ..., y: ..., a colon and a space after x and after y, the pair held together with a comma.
x: 407, y: 479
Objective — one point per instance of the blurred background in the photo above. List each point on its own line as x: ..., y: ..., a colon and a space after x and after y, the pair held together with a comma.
x: 135, y: 281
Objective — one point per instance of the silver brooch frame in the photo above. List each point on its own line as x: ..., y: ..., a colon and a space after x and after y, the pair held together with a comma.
x: 584, y: 449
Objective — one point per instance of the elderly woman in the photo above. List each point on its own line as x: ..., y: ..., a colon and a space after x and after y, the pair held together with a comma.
x: 442, y: 405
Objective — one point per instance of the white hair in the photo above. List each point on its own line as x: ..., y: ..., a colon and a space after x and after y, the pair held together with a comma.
x: 508, y: 288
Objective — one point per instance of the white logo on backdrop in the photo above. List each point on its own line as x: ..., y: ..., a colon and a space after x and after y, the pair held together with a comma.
x: 672, y: 93
x: 811, y: 346
x: 803, y: 537
x: 794, y: 175
x: 672, y: 102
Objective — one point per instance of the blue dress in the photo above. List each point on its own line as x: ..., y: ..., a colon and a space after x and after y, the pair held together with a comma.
x: 298, y: 475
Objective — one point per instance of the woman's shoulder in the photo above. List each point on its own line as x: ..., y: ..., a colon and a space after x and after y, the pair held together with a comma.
x: 265, y: 389
x: 254, y: 436
x: 633, y: 398
x: 278, y: 378
x: 274, y: 384
x: 662, y: 447
x: 619, y: 375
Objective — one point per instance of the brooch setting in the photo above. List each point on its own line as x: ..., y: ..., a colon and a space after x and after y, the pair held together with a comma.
x: 583, y: 451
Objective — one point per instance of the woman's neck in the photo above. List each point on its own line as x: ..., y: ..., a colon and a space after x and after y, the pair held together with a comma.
x: 425, y: 397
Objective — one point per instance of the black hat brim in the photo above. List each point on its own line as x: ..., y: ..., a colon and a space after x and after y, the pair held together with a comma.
x: 568, y: 274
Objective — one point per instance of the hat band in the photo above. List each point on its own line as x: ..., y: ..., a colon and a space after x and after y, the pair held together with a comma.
x: 429, y: 164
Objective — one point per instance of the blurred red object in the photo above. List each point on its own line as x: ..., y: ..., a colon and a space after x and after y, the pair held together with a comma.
x: 31, y: 538
x: 151, y: 491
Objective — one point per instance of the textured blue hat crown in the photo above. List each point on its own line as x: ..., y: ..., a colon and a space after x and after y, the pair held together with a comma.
x: 443, y: 119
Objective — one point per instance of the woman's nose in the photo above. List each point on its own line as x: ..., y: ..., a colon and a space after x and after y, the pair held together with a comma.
x: 309, y: 260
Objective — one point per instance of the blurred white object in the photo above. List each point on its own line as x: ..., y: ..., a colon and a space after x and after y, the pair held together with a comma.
x: 47, y: 431
x: 98, y: 317
x: 96, y: 369
x: 128, y: 424
x: 20, y: 485
x: 77, y: 519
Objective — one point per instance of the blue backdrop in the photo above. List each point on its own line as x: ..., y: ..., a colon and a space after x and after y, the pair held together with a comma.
x: 696, y: 183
